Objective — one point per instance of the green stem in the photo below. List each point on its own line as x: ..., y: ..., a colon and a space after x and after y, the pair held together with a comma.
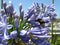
x: 52, y: 31
x: 52, y: 1
x: 52, y: 23
x: 1, y: 4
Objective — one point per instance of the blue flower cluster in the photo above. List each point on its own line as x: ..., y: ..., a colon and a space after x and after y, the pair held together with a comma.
x: 40, y: 21
x: 38, y: 17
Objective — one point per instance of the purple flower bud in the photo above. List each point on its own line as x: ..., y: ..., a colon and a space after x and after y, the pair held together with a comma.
x: 4, y: 5
x: 16, y: 23
x: 13, y: 34
x: 20, y: 7
x: 7, y: 8
x: 2, y: 11
x: 22, y: 14
x: 10, y: 8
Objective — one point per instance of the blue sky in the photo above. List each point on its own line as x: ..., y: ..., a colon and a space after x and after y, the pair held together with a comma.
x: 27, y: 3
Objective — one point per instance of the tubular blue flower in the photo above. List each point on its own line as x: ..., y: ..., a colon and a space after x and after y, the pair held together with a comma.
x: 42, y: 36
x: 51, y: 7
x: 23, y: 32
x: 30, y: 12
x: 13, y: 34
x: 32, y: 21
x: 52, y: 15
x: 35, y: 31
x: 37, y: 8
x: 23, y: 36
x: 46, y: 19
x: 32, y: 18
x: 44, y: 31
x: 37, y: 41
x: 39, y: 16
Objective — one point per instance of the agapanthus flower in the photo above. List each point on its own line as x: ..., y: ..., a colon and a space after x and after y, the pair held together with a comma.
x: 44, y: 31
x: 4, y: 26
x: 51, y: 7
x: 3, y: 33
x: 23, y: 32
x: 39, y: 31
x: 32, y: 21
x: 24, y: 36
x: 30, y: 12
x: 13, y: 34
x: 35, y: 31
x: 46, y: 19
x: 37, y: 41
x: 53, y: 15
x: 37, y: 8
